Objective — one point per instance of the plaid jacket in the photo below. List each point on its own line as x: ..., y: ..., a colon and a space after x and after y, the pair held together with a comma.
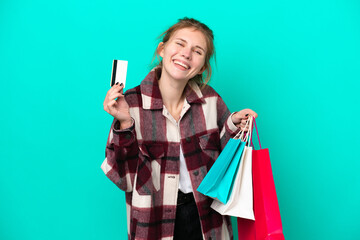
x: 143, y: 160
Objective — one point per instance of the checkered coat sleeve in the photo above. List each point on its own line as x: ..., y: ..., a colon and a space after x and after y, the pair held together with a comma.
x: 143, y: 160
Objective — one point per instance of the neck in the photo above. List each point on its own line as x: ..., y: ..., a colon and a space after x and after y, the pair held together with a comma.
x: 172, y: 93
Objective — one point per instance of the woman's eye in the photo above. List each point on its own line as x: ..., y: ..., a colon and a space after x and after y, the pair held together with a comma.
x: 198, y: 52
x: 178, y: 43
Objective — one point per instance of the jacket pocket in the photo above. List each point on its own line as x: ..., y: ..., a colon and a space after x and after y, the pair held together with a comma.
x: 149, y: 168
x: 210, y: 146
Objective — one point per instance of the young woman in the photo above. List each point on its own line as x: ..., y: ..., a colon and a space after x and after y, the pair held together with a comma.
x: 166, y: 134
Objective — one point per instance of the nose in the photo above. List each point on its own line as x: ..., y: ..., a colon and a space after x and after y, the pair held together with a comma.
x: 186, y: 53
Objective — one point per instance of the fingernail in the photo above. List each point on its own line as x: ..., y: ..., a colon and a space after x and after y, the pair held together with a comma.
x: 246, y: 115
x: 117, y: 83
x: 121, y: 84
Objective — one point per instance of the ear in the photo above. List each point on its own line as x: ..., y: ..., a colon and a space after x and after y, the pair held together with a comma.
x: 160, y: 49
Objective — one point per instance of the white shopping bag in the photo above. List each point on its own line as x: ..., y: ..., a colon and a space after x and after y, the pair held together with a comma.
x: 240, y: 203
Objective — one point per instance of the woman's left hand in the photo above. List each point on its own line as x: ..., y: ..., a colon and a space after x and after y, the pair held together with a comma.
x: 240, y: 118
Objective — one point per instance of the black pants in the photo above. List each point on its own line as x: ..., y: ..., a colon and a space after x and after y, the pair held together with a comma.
x: 187, y: 223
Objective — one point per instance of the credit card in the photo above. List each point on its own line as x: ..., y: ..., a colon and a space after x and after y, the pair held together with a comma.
x: 118, y: 74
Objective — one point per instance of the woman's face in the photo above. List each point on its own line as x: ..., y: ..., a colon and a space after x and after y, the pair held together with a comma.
x: 184, y: 54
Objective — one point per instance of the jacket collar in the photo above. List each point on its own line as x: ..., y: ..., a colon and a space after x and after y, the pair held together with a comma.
x: 151, y: 96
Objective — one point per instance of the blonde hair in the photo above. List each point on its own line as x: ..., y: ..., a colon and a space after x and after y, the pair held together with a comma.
x: 200, y: 79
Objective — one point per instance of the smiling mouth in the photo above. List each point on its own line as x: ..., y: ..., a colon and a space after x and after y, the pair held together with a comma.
x: 182, y: 64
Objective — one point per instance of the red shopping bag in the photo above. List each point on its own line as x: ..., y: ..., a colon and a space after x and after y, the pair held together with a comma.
x: 267, y: 224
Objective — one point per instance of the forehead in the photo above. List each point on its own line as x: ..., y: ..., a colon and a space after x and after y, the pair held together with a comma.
x: 190, y: 35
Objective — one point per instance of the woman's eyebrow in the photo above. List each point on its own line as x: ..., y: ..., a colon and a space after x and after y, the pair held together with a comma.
x: 183, y: 40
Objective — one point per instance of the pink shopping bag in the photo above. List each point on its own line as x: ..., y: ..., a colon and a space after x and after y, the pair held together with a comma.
x: 267, y: 224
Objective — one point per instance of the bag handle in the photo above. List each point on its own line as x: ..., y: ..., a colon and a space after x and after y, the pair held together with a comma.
x: 246, y: 136
x: 249, y: 133
x: 257, y: 133
x: 240, y: 134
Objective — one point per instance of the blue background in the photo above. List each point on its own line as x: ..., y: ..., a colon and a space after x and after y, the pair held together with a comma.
x: 296, y: 63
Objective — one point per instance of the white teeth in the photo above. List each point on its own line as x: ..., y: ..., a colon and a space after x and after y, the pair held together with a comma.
x: 181, y: 64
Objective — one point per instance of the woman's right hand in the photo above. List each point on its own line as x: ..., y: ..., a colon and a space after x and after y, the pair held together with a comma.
x: 118, y: 108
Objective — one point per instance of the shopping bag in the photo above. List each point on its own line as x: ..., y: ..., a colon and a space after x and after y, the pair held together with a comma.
x: 219, y: 181
x: 267, y: 224
x: 240, y: 203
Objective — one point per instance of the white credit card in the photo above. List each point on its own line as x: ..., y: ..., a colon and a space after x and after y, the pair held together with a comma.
x: 118, y: 74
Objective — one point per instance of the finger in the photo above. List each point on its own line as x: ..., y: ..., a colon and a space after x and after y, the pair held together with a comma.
x: 115, y: 95
x: 248, y: 112
x: 120, y: 98
x: 106, y: 107
x: 110, y: 104
x: 240, y: 125
x: 241, y: 115
x: 111, y: 91
x: 121, y: 86
x: 117, y: 84
x: 116, y: 88
x: 243, y: 123
x: 245, y: 129
x: 251, y: 113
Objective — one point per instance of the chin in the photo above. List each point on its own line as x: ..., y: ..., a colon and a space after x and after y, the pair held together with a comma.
x: 181, y: 78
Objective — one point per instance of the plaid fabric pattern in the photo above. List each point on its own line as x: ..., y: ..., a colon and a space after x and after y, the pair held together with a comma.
x: 143, y: 160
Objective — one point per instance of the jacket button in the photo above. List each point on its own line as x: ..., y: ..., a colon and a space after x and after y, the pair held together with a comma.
x: 196, y: 173
x: 188, y: 139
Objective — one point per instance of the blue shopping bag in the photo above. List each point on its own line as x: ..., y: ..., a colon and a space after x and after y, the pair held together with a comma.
x: 219, y: 181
